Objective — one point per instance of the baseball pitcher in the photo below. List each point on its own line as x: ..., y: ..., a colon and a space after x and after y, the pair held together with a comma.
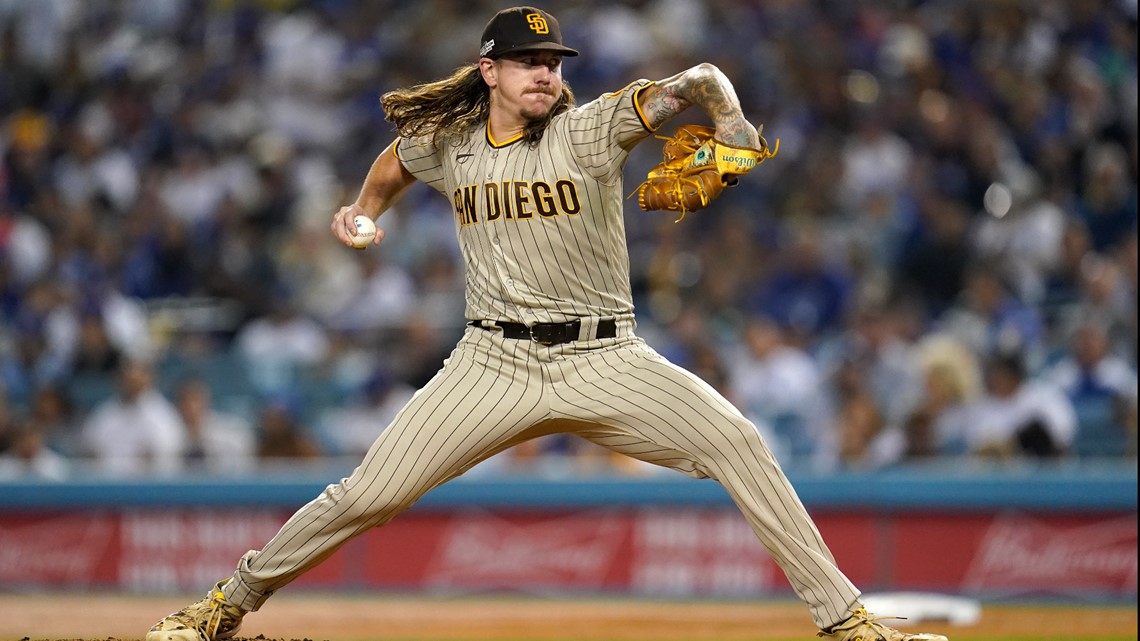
x: 536, y: 187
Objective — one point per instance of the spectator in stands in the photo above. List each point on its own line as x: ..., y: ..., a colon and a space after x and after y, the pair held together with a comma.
x: 351, y: 429
x: 876, y: 351
x: 92, y: 169
x: 1063, y: 282
x: 284, y: 335
x: 1102, y: 388
x: 1019, y: 416
x: 235, y: 253
x: 138, y: 431
x: 29, y: 457
x: 933, y: 261
x: 26, y: 164
x: 779, y: 385
x: 280, y: 434
x: 1108, y: 200
x: 53, y: 410
x: 384, y: 297
x: 45, y: 335
x: 218, y: 442
x: 1107, y: 295
x: 161, y: 262
x: 25, y: 364
x: 808, y: 292
x: 194, y: 189
x: 26, y: 252
x: 952, y: 382
x: 875, y: 159
x: 94, y: 351
x: 77, y: 231
x: 990, y: 319
x: 282, y: 340
x: 866, y: 441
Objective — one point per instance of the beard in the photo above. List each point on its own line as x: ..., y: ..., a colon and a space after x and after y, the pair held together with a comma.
x: 539, y: 114
x: 535, y: 115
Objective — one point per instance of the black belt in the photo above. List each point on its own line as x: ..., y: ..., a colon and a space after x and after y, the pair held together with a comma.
x: 548, y: 333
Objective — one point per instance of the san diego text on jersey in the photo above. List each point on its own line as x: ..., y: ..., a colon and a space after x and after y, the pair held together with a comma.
x: 515, y: 199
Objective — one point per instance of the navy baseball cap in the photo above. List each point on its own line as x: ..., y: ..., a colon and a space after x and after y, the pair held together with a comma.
x: 522, y: 29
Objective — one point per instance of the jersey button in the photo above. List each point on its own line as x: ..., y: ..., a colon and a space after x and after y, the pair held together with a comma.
x: 495, y: 241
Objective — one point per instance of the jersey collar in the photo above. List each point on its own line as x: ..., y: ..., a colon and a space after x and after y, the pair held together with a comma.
x: 497, y: 145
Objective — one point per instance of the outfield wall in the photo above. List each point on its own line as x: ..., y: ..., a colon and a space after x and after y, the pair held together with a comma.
x: 1007, y: 533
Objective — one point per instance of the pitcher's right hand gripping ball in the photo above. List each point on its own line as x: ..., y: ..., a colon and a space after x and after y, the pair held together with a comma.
x: 696, y: 169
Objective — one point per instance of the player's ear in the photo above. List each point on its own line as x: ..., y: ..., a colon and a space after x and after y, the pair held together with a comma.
x: 489, y: 70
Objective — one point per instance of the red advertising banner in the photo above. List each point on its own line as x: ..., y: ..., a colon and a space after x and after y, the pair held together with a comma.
x: 73, y: 550
x: 1021, y: 553
x: 675, y: 552
x: 169, y: 550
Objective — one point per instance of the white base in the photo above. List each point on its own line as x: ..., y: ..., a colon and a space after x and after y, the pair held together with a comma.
x: 919, y: 607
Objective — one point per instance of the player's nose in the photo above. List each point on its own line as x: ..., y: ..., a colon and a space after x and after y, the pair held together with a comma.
x: 544, y: 75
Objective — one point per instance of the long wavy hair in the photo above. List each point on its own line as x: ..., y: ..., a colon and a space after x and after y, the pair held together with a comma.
x: 454, y: 105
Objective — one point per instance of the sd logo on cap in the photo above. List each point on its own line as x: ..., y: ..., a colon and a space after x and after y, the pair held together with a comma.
x: 522, y: 29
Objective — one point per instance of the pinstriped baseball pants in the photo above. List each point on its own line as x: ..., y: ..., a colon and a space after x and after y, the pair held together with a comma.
x: 493, y: 393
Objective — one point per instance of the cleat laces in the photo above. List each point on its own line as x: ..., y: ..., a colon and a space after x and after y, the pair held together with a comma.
x: 216, y: 616
x: 211, y: 618
x: 863, y: 626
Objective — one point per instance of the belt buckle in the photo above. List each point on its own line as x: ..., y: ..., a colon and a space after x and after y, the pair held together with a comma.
x: 538, y: 337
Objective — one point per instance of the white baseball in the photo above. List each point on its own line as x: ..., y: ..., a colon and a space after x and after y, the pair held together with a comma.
x: 365, y: 232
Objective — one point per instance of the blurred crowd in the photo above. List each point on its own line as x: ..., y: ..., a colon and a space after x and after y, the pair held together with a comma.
x: 941, y: 261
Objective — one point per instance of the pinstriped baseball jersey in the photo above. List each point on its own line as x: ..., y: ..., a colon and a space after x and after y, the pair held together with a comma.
x: 541, y: 232
x: 540, y: 225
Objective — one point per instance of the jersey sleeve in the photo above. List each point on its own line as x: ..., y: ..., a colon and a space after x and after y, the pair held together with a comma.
x: 422, y: 159
x: 604, y: 130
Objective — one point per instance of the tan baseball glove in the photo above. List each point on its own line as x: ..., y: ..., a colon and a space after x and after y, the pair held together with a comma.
x: 696, y: 169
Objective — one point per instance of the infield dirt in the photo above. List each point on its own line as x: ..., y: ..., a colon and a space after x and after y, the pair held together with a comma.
x: 321, y: 617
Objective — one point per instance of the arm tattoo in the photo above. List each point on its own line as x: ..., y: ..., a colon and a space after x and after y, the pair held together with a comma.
x: 706, y: 87
x: 662, y: 104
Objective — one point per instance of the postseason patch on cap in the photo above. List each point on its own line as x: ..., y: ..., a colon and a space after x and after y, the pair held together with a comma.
x: 521, y: 29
